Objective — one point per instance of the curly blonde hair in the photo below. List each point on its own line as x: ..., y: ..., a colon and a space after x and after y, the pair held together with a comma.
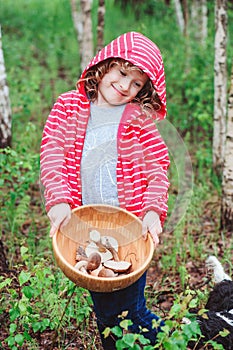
x: 147, y: 97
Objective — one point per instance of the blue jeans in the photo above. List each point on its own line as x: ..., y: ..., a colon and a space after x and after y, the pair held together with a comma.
x: 108, y: 306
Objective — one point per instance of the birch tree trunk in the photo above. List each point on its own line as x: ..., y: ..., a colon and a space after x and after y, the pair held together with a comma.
x: 87, y: 44
x: 199, y: 19
x: 77, y: 21
x: 204, y: 21
x: 83, y: 26
x: 5, y: 109
x: 179, y: 15
x: 220, y: 85
x: 100, y: 25
x: 227, y: 184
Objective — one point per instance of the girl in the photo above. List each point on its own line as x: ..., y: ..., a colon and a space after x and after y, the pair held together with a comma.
x: 100, y: 145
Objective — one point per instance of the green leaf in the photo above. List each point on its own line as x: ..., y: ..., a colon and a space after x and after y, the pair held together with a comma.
x: 10, y: 341
x: 19, y: 338
x: 5, y: 282
x: 14, y: 313
x: 13, y: 328
x: 191, y: 329
x: 106, y: 332
x: 125, y: 324
x: 24, y: 277
x: 130, y: 339
x: 224, y: 333
x: 136, y: 347
x: 22, y: 307
x: 117, y: 331
x: 193, y: 303
x: 28, y: 292
x: 36, y: 326
x: 216, y: 346
x: 120, y: 344
x: 46, y: 322
x: 23, y: 250
x: 27, y: 336
x: 143, y: 340
x: 175, y: 309
x: 166, y: 329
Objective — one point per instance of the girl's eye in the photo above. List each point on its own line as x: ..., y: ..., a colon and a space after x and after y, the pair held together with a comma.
x: 123, y: 73
x: 138, y: 85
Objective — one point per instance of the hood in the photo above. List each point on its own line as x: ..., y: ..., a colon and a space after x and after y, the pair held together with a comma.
x: 143, y: 53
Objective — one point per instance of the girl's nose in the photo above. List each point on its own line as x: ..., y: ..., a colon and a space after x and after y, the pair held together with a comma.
x: 125, y: 83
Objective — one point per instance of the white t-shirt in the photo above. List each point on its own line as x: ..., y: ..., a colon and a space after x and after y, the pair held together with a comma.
x: 99, y: 157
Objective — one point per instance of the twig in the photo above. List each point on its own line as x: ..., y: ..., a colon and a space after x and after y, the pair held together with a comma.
x: 60, y: 321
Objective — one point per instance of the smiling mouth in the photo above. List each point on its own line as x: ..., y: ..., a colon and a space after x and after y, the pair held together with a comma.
x: 118, y: 91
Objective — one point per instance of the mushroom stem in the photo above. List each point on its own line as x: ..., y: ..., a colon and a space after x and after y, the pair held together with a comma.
x: 81, y: 266
x: 112, y: 250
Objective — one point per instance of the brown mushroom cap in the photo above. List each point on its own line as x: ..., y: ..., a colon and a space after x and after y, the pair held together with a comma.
x: 104, y: 272
x: 94, y: 261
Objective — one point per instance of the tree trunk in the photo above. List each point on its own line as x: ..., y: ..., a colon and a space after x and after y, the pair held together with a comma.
x: 83, y: 26
x: 227, y: 184
x: 179, y: 15
x: 186, y: 17
x: 5, y: 109
x: 77, y: 21
x: 199, y: 19
x: 100, y: 25
x: 204, y: 21
x: 87, y: 45
x: 220, y: 85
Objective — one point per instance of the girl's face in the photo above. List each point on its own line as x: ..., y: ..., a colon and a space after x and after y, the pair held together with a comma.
x: 119, y: 86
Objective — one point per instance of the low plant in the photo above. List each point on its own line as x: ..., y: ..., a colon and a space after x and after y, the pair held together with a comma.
x: 40, y: 300
x: 176, y: 334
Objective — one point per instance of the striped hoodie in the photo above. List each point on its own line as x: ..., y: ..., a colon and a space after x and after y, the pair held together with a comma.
x: 142, y: 154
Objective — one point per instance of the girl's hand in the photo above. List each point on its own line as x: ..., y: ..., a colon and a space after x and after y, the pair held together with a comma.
x: 59, y: 215
x: 151, y: 223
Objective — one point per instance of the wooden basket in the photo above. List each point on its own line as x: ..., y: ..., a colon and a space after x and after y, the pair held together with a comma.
x: 125, y: 227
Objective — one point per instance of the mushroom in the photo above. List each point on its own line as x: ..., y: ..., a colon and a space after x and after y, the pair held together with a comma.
x: 96, y: 271
x: 81, y: 266
x: 96, y: 238
x: 104, y: 272
x: 94, y: 261
x: 80, y: 254
x: 93, y: 247
x: 117, y: 266
x: 81, y: 257
x: 111, y: 248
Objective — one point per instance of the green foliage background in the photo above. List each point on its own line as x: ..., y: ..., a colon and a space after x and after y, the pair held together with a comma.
x: 42, y: 60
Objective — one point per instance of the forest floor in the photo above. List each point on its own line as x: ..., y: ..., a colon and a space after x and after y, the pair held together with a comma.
x: 165, y: 285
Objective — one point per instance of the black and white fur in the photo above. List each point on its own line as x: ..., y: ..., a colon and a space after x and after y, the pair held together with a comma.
x: 219, y: 306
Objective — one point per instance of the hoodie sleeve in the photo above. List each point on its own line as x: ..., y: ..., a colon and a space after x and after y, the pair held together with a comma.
x: 54, y: 147
x: 156, y: 165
